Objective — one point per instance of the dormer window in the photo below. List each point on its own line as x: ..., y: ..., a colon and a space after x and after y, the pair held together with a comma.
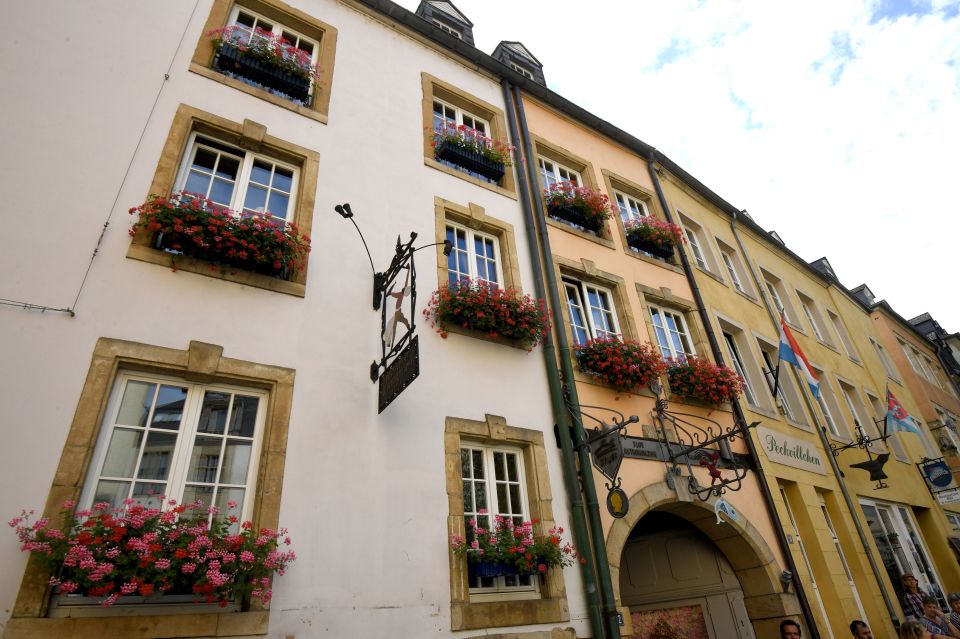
x: 521, y: 70
x: 456, y: 33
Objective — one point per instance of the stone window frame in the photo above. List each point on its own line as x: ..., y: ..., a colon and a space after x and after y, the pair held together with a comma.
x: 614, y: 182
x: 295, y: 20
x: 788, y: 385
x: 712, y: 265
x: 251, y: 136
x: 200, y: 362
x: 434, y: 87
x: 474, y: 216
x: 552, y: 605
x: 751, y: 363
x: 556, y: 153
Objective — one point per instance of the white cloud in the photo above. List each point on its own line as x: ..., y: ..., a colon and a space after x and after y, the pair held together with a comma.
x: 836, y: 124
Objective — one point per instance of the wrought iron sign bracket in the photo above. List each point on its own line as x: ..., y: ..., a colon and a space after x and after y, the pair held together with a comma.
x: 693, y: 441
x: 874, y: 466
x: 399, y: 363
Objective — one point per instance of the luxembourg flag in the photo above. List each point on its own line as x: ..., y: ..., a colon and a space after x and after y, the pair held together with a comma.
x: 790, y: 352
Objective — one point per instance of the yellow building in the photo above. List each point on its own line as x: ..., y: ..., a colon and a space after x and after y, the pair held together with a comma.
x: 851, y: 536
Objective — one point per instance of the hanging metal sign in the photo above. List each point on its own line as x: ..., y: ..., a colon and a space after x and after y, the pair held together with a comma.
x: 937, y: 473
x: 607, y: 450
x: 617, y: 503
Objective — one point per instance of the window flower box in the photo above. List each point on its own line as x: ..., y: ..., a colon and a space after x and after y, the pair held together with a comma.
x: 624, y: 365
x: 653, y: 235
x: 472, y: 161
x: 133, y: 553
x: 491, y: 310
x: 471, y: 150
x: 264, y: 59
x: 577, y: 205
x: 701, y: 380
x: 511, y: 548
x: 190, y: 225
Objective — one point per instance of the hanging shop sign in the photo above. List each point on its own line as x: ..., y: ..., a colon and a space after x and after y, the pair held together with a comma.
x: 949, y: 496
x: 937, y: 473
x: 790, y: 451
x: 607, y: 450
x: 617, y: 504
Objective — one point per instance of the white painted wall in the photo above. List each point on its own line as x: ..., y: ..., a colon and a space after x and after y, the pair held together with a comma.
x: 364, y: 495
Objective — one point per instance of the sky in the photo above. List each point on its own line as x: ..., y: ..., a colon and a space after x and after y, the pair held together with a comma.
x: 835, y: 123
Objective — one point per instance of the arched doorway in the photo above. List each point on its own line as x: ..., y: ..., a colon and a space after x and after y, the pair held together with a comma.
x: 732, y: 561
x: 676, y: 582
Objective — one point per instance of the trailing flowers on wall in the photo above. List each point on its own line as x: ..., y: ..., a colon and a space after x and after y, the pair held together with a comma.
x: 513, y: 545
x: 700, y: 379
x: 134, y: 550
x: 487, y: 308
x: 192, y: 225
x: 624, y: 365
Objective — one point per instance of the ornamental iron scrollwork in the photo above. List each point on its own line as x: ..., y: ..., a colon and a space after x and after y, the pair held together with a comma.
x: 696, y: 441
x: 873, y: 465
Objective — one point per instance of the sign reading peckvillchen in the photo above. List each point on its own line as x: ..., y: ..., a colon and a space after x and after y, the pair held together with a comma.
x: 790, y: 451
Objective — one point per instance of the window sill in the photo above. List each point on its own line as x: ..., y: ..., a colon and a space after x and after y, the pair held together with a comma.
x: 499, y: 614
x: 495, y: 339
x: 748, y: 297
x: 496, y: 188
x: 216, y: 76
x: 144, y: 253
x: 141, y: 626
x: 584, y: 234
x: 710, y: 274
x: 856, y: 361
x: 828, y: 345
x: 670, y: 266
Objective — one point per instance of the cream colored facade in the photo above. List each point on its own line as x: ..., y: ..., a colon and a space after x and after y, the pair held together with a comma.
x: 747, y: 276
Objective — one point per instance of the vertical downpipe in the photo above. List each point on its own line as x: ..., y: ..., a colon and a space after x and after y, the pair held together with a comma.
x: 738, y: 413
x: 580, y: 536
x: 557, y: 305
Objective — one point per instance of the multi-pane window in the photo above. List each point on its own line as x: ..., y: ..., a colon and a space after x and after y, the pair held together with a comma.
x: 672, y: 333
x: 738, y: 366
x: 813, y: 317
x: 447, y: 28
x: 243, y: 181
x: 552, y: 172
x: 859, y: 411
x: 188, y: 442
x: 841, y: 329
x: 521, y: 70
x: 591, y: 311
x: 446, y: 115
x: 630, y: 207
x: 252, y: 25
x: 729, y: 261
x: 885, y: 359
x: 828, y: 405
x: 879, y: 413
x: 843, y: 559
x: 775, y: 297
x: 694, y: 243
x: 493, y: 484
x: 786, y: 391
x: 475, y: 256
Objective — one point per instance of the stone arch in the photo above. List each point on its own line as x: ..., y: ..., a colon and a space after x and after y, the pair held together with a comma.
x: 746, y: 550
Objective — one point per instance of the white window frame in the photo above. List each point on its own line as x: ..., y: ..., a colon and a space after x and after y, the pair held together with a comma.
x: 732, y: 270
x: 242, y: 184
x: 454, y: 115
x: 456, y: 33
x: 471, y: 236
x: 880, y: 411
x: 630, y: 207
x: 806, y: 560
x: 786, y: 388
x: 697, y: 242
x: 812, y: 319
x: 582, y: 291
x: 180, y: 460
x: 514, y: 587
x: 843, y: 558
x: 844, y: 335
x: 553, y: 172
x: 293, y: 36
x: 830, y: 407
x: 900, y: 522
x: 740, y: 367
x: 693, y: 241
x: 521, y: 70
x: 860, y: 413
x: 885, y: 360
x: 679, y: 331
